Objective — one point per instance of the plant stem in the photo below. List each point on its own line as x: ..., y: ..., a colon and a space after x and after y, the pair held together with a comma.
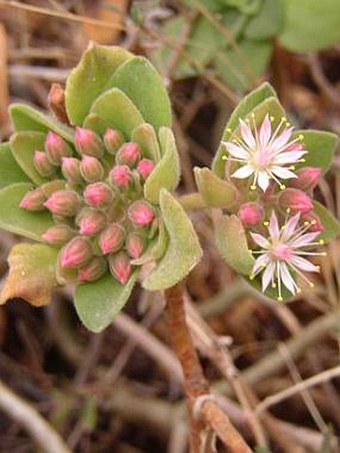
x: 195, y: 385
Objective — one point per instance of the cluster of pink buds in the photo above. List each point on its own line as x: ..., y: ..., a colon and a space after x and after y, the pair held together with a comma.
x: 273, y: 188
x: 102, y: 220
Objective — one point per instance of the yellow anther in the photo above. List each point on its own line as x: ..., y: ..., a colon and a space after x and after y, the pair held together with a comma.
x: 311, y: 284
x: 284, y: 118
x: 282, y: 187
x: 272, y: 118
x: 288, y: 124
x: 266, y: 223
x: 228, y: 129
x: 323, y: 253
x: 280, y: 299
x: 273, y: 285
x: 224, y: 157
x: 306, y: 223
x: 253, y: 114
x: 288, y: 210
x: 253, y: 187
x: 314, y: 222
x: 298, y: 290
x: 301, y: 137
x: 292, y: 167
x: 317, y: 268
x: 321, y: 242
x: 251, y: 277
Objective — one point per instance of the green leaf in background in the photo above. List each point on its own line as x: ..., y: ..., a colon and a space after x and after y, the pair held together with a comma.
x: 26, y: 118
x: 20, y: 221
x: 89, y: 78
x: 145, y: 136
x: 234, y: 22
x: 232, y: 244
x: 183, y: 252
x: 267, y: 22
x: 329, y: 222
x: 311, y: 24
x: 10, y: 172
x: 97, y: 303
x: 245, y: 6
x: 320, y: 146
x: 140, y: 81
x: 95, y: 123
x: 269, y: 106
x: 256, y: 54
x: 31, y: 274
x: 166, y: 174
x: 216, y: 192
x: 156, y: 249
x: 23, y: 145
x: 118, y: 111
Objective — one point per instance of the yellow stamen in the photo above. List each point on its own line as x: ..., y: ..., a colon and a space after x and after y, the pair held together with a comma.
x: 280, y: 299
x: 252, y: 187
x: 282, y: 187
x: 224, y: 157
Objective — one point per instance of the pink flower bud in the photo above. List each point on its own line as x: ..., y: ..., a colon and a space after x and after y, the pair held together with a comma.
x: 58, y: 234
x: 63, y: 202
x: 140, y: 213
x: 89, y: 143
x: 145, y: 167
x: 251, y: 214
x: 120, y: 267
x: 307, y: 178
x: 33, y: 200
x: 112, y: 238
x: 71, y: 170
x: 76, y: 253
x: 295, y: 200
x: 43, y: 164
x: 90, y: 221
x: 128, y: 154
x: 56, y: 148
x: 93, y: 270
x: 314, y: 221
x: 98, y: 195
x: 113, y: 140
x: 135, y: 245
x: 91, y: 169
x: 120, y: 175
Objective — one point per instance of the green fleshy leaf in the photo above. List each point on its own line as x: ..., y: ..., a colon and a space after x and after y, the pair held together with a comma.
x: 31, y: 274
x: 235, y: 72
x: 118, y: 111
x: 23, y: 145
x: 156, y: 249
x: 97, y: 303
x: 145, y: 136
x: 248, y: 103
x: 270, y: 106
x: 95, y: 123
x: 183, y: 252
x: 216, y: 192
x: 166, y: 174
x: 232, y: 244
x: 245, y: 6
x: 140, y: 81
x: 20, y: 221
x: 311, y: 24
x: 320, y: 146
x: 10, y: 172
x: 26, y: 118
x: 267, y: 23
x: 329, y: 222
x: 88, y: 80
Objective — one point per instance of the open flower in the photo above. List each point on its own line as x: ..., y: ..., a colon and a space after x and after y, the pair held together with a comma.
x: 283, y: 252
x: 265, y: 153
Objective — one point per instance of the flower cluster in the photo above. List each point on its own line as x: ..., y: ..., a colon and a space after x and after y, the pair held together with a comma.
x: 267, y: 158
x: 101, y: 218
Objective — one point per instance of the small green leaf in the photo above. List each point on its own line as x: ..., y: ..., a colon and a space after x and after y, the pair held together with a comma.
x: 145, y: 136
x: 118, y: 111
x: 166, y: 174
x: 26, y: 118
x: 216, y: 192
x: 267, y: 23
x: 140, y: 81
x: 23, y: 145
x: 232, y: 243
x: 245, y: 6
x: 10, y: 172
x: 31, y: 274
x: 269, y: 106
x: 329, y: 222
x: 97, y: 303
x: 95, y: 123
x: 156, y: 249
x: 320, y: 146
x: 88, y: 80
x: 20, y: 221
x: 183, y: 252
x: 248, y: 103
x: 311, y: 24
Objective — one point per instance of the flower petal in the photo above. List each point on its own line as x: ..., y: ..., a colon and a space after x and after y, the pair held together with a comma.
x: 247, y: 134
x: 263, y: 180
x: 263, y: 260
x: 273, y: 227
x: 288, y: 157
x: 303, y: 264
x: 268, y: 275
x: 290, y: 227
x: 303, y: 240
x: 282, y: 139
x: 260, y: 240
x: 265, y: 132
x: 283, y: 173
x: 287, y: 279
x: 243, y: 172
x: 236, y: 151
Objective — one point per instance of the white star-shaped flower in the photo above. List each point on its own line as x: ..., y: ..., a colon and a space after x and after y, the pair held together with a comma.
x: 283, y: 252
x: 266, y: 154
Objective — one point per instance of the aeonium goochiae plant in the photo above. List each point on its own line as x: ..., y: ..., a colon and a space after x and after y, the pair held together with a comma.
x: 268, y: 226
x: 97, y: 194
